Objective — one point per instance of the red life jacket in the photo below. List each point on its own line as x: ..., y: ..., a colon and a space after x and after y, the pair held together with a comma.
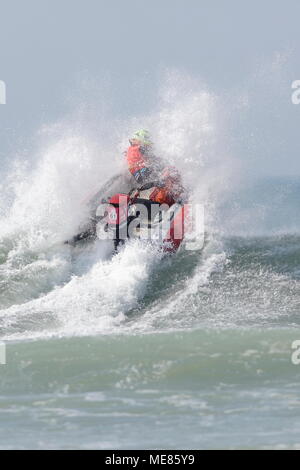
x: 135, y: 158
x: 162, y: 196
x: 171, y: 191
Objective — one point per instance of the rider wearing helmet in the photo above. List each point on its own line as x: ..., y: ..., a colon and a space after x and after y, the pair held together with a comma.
x: 141, y: 161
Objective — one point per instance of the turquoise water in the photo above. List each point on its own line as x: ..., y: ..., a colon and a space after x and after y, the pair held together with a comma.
x: 192, y: 389
x: 192, y: 351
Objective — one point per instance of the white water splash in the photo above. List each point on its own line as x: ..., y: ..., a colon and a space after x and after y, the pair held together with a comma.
x: 90, y: 293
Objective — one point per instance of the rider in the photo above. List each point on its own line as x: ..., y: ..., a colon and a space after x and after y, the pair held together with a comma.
x: 142, y: 163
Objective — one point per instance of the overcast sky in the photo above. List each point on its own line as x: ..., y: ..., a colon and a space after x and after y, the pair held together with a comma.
x: 47, y: 46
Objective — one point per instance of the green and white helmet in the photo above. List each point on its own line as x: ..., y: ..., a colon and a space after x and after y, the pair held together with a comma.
x: 143, y: 136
